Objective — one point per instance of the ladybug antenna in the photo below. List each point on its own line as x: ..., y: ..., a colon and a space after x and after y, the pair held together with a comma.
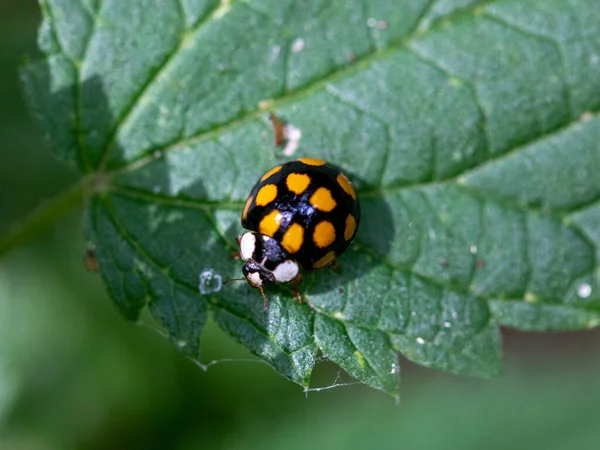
x: 262, y: 291
x: 233, y: 279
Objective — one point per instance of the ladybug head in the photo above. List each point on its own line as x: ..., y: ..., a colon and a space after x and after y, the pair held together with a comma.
x: 265, y: 260
x: 257, y: 275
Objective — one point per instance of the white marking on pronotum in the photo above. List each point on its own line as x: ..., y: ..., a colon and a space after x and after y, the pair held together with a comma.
x: 247, y: 246
x: 255, y: 279
x: 286, y: 271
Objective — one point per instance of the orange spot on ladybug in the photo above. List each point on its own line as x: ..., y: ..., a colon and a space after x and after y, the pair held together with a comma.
x: 346, y: 185
x: 297, y: 182
x: 312, y: 161
x: 325, y: 260
x: 350, y: 227
x: 266, y: 195
x: 270, y: 223
x: 293, y: 238
x: 270, y: 172
x: 324, y: 234
x: 322, y: 200
x: 246, y: 208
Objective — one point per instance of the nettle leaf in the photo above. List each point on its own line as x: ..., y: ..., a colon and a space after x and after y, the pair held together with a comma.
x: 470, y: 128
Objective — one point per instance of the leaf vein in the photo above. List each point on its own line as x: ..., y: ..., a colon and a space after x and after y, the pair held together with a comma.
x: 366, y: 358
x: 469, y: 84
x: 81, y: 144
x: 157, y: 73
x: 136, y: 245
x: 558, y: 46
x: 292, y: 95
x: 217, y: 305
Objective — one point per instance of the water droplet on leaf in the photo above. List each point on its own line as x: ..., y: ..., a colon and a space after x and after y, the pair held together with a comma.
x: 210, y: 281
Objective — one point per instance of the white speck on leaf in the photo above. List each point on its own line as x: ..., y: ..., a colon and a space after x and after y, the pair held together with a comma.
x: 420, y: 341
x: 447, y: 324
x: 473, y: 249
x: 584, y: 290
x: 292, y: 136
x: 529, y: 297
x: 593, y: 323
x: 371, y: 22
x: 275, y: 52
x: 395, y: 368
x: 174, y: 216
x: 210, y: 281
x: 143, y: 268
x: 181, y: 344
x: 297, y: 45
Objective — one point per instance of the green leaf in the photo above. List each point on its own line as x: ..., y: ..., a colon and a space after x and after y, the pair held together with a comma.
x: 470, y: 128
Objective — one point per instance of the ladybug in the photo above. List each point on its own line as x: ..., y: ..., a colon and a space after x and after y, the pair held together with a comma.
x: 301, y: 214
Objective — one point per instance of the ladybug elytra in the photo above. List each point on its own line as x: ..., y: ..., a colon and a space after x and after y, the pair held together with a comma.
x: 301, y: 214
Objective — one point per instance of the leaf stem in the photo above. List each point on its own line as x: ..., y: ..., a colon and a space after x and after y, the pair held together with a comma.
x: 44, y: 216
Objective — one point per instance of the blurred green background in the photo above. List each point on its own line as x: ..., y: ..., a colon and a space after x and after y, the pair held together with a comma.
x: 73, y: 374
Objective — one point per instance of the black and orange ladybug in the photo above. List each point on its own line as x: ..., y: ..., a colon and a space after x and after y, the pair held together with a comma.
x: 301, y: 214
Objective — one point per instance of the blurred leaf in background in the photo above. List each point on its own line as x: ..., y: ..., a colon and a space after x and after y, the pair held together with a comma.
x: 74, y: 375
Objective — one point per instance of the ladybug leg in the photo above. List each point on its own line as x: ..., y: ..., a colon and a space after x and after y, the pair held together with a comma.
x: 335, y: 265
x: 298, y: 296
x: 236, y: 255
x: 265, y: 302
x: 295, y: 284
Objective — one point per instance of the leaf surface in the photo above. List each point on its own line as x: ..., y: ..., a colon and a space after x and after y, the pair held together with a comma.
x: 469, y: 127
